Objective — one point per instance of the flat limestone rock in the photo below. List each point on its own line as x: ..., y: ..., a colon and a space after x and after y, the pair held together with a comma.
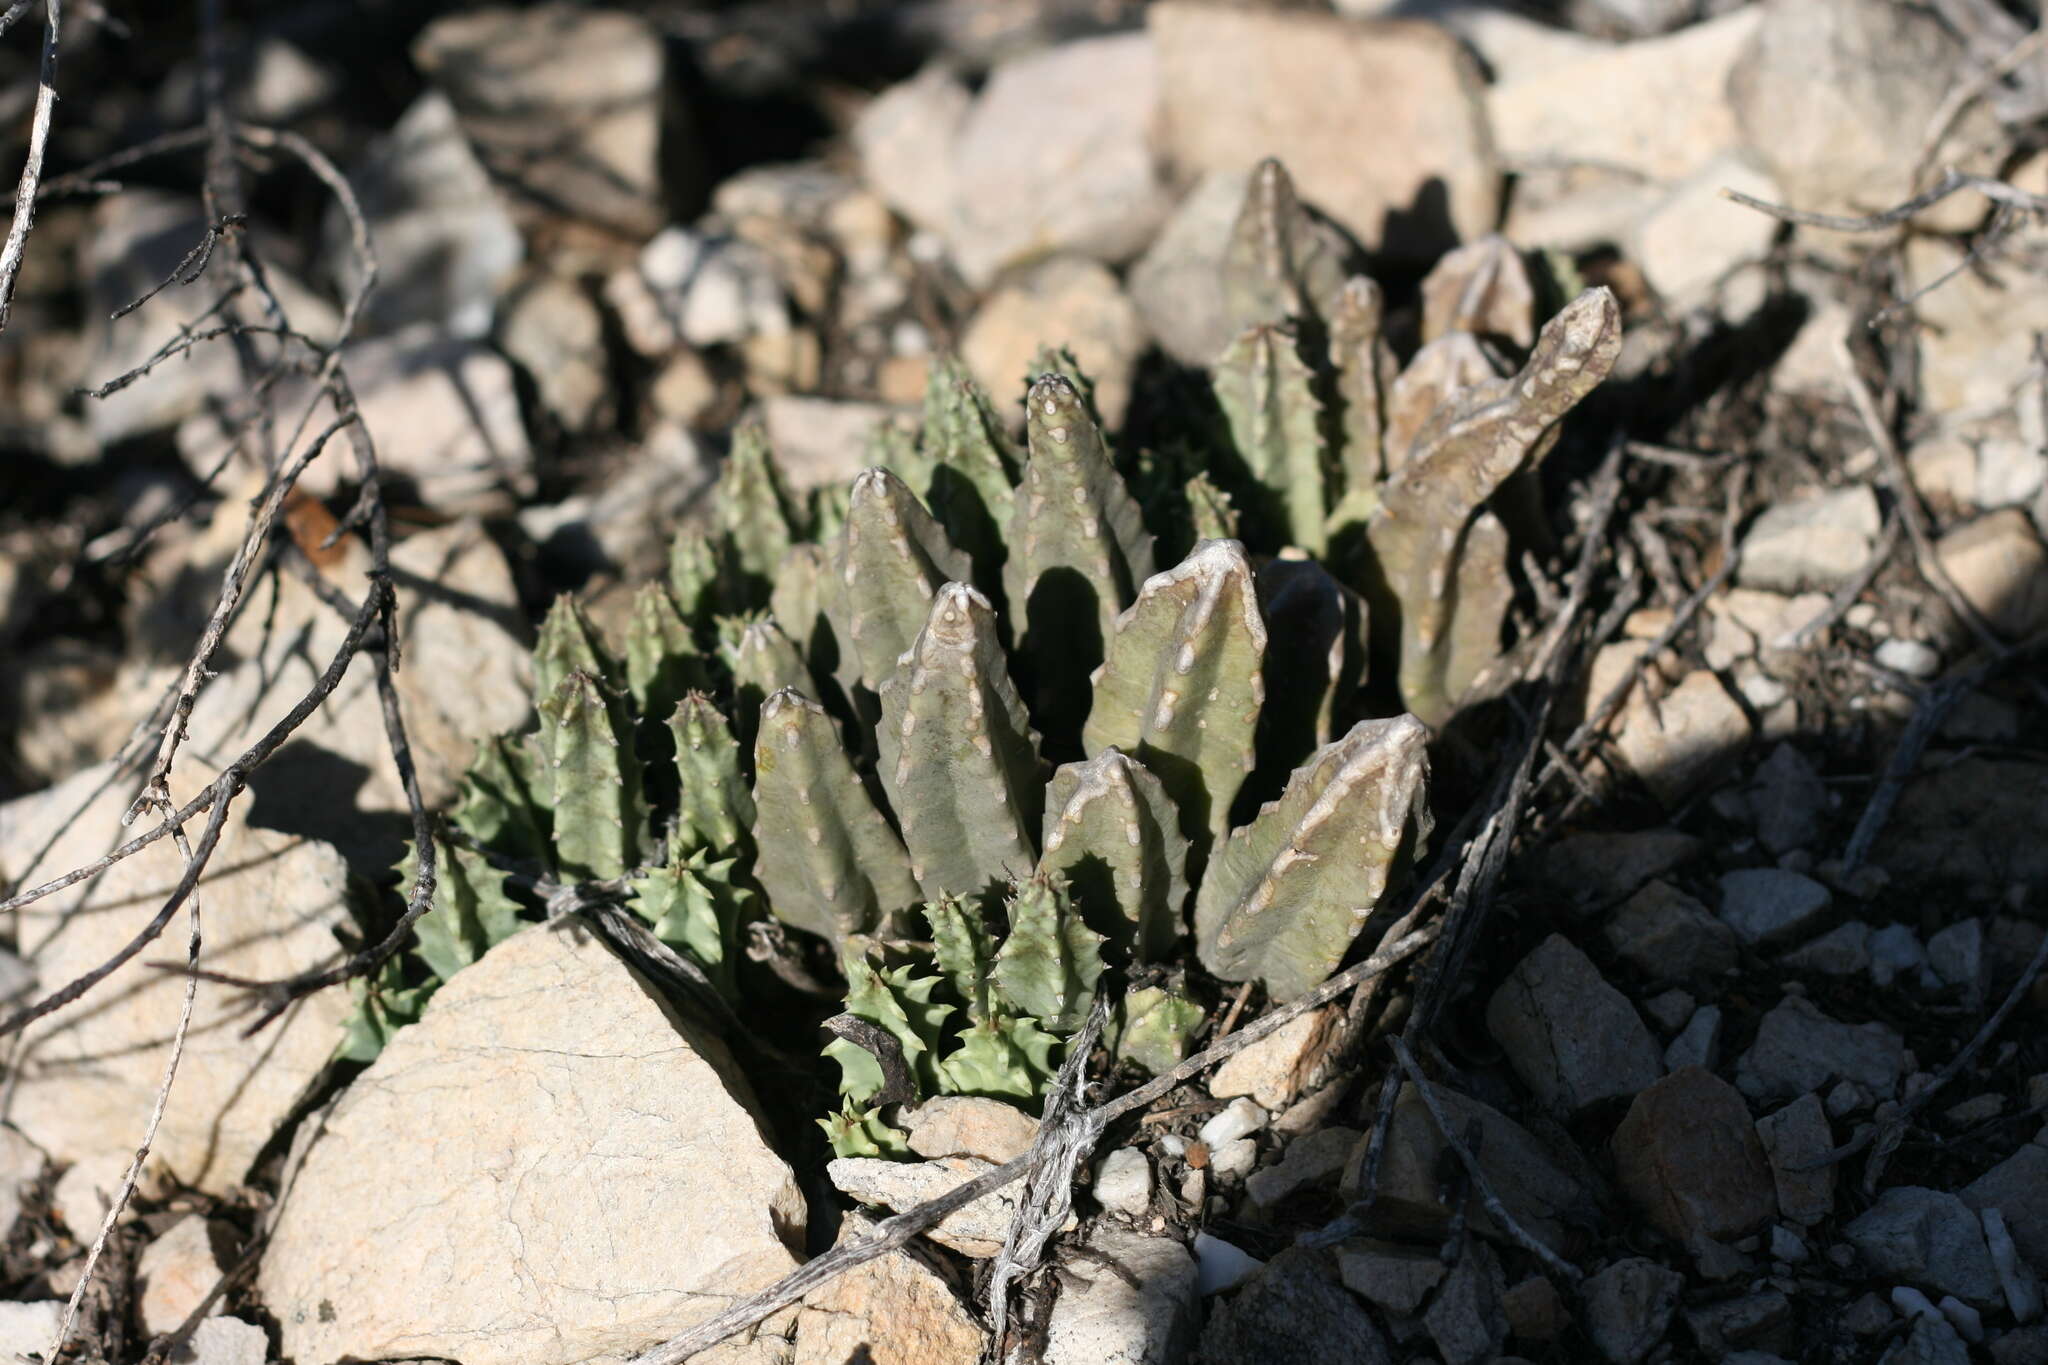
x: 551, y: 1165
x: 269, y: 907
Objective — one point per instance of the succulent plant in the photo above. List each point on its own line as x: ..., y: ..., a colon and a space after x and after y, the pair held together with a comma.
x: 1397, y: 472
x: 957, y: 721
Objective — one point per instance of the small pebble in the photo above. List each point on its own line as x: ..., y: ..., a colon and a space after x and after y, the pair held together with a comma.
x: 1671, y: 1009
x: 1220, y: 1266
x: 1787, y: 1245
x: 1241, y: 1119
x: 1912, y: 1303
x: 1868, y: 1315
x: 2022, y: 1291
x: 1910, y: 657
x: 1234, y: 1159
x: 1895, y: 951
x: 1846, y: 1098
x: 1123, y: 1183
x: 1969, y: 1324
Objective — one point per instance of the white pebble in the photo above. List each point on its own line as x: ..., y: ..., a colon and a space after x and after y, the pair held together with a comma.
x: 1220, y: 1266
x: 1241, y: 1119
x: 1910, y: 657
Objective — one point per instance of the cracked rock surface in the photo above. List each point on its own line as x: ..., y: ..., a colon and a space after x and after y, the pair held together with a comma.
x: 551, y: 1165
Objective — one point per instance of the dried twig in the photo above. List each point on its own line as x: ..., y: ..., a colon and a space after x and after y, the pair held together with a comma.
x: 1552, y: 1262
x: 1887, y: 1133
x: 1933, y: 707
x: 1852, y: 587
x: 1604, y: 711
x: 1067, y: 1135
x: 15, y: 248
x: 1997, y: 191
x: 1967, y: 92
x: 1906, y: 497
x: 893, y: 1233
x: 156, y: 1118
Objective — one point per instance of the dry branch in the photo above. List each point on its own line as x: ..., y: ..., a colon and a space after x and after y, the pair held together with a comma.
x: 15, y: 249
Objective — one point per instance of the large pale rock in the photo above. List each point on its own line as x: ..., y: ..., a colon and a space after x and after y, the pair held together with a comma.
x: 1511, y: 45
x: 569, y: 109
x: 1466, y: 1319
x: 1772, y: 905
x: 1628, y: 1306
x: 444, y: 412
x: 224, y: 1341
x: 27, y: 1329
x: 1698, y: 234
x: 2018, y: 1188
x: 1668, y: 936
x: 894, y: 1310
x: 1927, y: 1237
x: 551, y: 1165
x: 1057, y: 155
x: 1178, y: 284
x: 1380, y: 124
x: 905, y: 143
x: 464, y: 676
x: 444, y: 242
x: 1591, y: 110
x: 1128, y: 1300
x: 1396, y: 1278
x: 22, y: 1164
x: 1062, y: 302
x: 1795, y: 1139
x: 270, y: 906
x: 823, y: 440
x: 1835, y: 97
x: 136, y: 241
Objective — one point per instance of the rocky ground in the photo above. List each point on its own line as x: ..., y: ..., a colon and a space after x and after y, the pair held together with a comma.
x: 1745, y: 1058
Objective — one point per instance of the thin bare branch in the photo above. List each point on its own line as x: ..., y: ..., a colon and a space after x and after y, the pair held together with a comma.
x: 1997, y: 191
x: 15, y: 249
x: 1552, y: 1262
x: 220, y: 794
x: 1906, y: 497
x: 1887, y: 1133
x: 156, y: 1118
